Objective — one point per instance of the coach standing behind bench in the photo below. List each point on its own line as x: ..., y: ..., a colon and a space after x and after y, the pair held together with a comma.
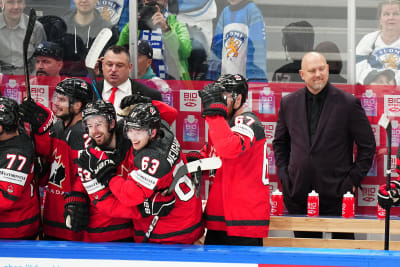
x: 116, y: 85
x: 313, y: 145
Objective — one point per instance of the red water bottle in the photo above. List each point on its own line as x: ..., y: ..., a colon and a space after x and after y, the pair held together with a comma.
x: 277, y: 203
x: 313, y: 204
x: 348, y: 205
x: 380, y: 212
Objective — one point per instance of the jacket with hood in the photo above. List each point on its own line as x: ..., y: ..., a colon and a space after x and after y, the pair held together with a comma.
x: 86, y: 32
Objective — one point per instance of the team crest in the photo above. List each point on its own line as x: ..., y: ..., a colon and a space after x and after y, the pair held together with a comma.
x: 110, y: 10
x: 387, y: 57
x: 233, y: 41
x: 2, y: 108
x: 57, y: 172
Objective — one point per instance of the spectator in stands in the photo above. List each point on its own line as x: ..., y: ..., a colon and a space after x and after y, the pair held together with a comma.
x: 116, y: 85
x: 297, y: 39
x: 85, y: 21
x: 113, y: 11
x: 145, y: 58
x: 200, y: 14
x: 380, y: 49
x: 239, y: 44
x: 316, y: 130
x: 169, y: 38
x: 49, y: 61
x: 332, y: 54
x: 13, y: 24
x: 383, y: 77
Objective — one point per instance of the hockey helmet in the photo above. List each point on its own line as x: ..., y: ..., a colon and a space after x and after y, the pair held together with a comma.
x: 99, y: 108
x: 77, y: 89
x: 143, y: 116
x: 49, y: 49
x: 236, y: 84
x: 8, y: 113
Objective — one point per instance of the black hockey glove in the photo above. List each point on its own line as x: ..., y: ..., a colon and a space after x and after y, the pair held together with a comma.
x: 129, y: 102
x: 157, y: 205
x: 213, y: 101
x: 37, y: 115
x: 76, y: 211
x: 387, y: 199
x: 101, y: 169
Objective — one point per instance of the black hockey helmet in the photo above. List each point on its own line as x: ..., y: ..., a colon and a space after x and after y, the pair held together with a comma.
x: 8, y: 113
x: 77, y: 89
x: 99, y: 108
x: 49, y: 49
x: 143, y: 116
x: 236, y: 84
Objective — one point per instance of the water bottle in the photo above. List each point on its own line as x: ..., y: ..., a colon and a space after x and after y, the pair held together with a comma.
x: 348, y: 205
x: 277, y: 203
x: 313, y: 204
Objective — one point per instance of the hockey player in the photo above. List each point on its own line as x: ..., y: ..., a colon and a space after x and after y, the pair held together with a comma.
x: 237, y: 210
x: 153, y: 158
x: 19, y: 203
x: 59, y: 143
x: 80, y: 211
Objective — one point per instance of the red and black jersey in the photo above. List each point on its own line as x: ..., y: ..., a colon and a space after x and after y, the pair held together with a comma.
x: 238, y: 202
x: 59, y: 146
x: 19, y: 202
x: 151, y: 170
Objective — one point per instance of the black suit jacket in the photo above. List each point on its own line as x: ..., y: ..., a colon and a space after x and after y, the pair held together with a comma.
x: 326, y: 164
x: 136, y: 87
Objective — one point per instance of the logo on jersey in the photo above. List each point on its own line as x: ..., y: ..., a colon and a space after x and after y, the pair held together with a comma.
x: 10, y: 189
x: 110, y: 10
x: 57, y: 174
x: 233, y: 42
x: 388, y: 57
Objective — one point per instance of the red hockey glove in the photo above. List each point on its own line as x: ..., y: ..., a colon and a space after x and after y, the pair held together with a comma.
x: 157, y: 205
x: 76, y: 211
x: 37, y: 115
x: 213, y: 101
x: 387, y: 199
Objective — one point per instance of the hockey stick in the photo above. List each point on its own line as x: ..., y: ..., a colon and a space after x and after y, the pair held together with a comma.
x: 94, y: 53
x: 385, y: 123
x: 201, y: 164
x: 27, y: 38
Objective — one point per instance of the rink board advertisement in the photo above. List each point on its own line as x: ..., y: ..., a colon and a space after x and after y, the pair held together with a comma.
x: 263, y: 100
x: 68, y: 253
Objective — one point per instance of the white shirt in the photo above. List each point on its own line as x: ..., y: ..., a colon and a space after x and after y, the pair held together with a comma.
x: 124, y: 89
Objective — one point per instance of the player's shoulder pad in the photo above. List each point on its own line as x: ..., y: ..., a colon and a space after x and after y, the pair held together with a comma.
x: 19, y: 151
x: 57, y: 130
x: 160, y: 156
x: 248, y: 124
x: 76, y: 137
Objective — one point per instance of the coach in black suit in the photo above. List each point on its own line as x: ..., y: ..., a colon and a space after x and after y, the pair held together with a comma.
x: 116, y: 85
x: 314, y: 138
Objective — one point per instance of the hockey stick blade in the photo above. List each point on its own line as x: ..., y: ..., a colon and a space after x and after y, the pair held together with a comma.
x: 202, y: 164
x: 94, y: 53
x: 27, y: 38
x: 98, y: 45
